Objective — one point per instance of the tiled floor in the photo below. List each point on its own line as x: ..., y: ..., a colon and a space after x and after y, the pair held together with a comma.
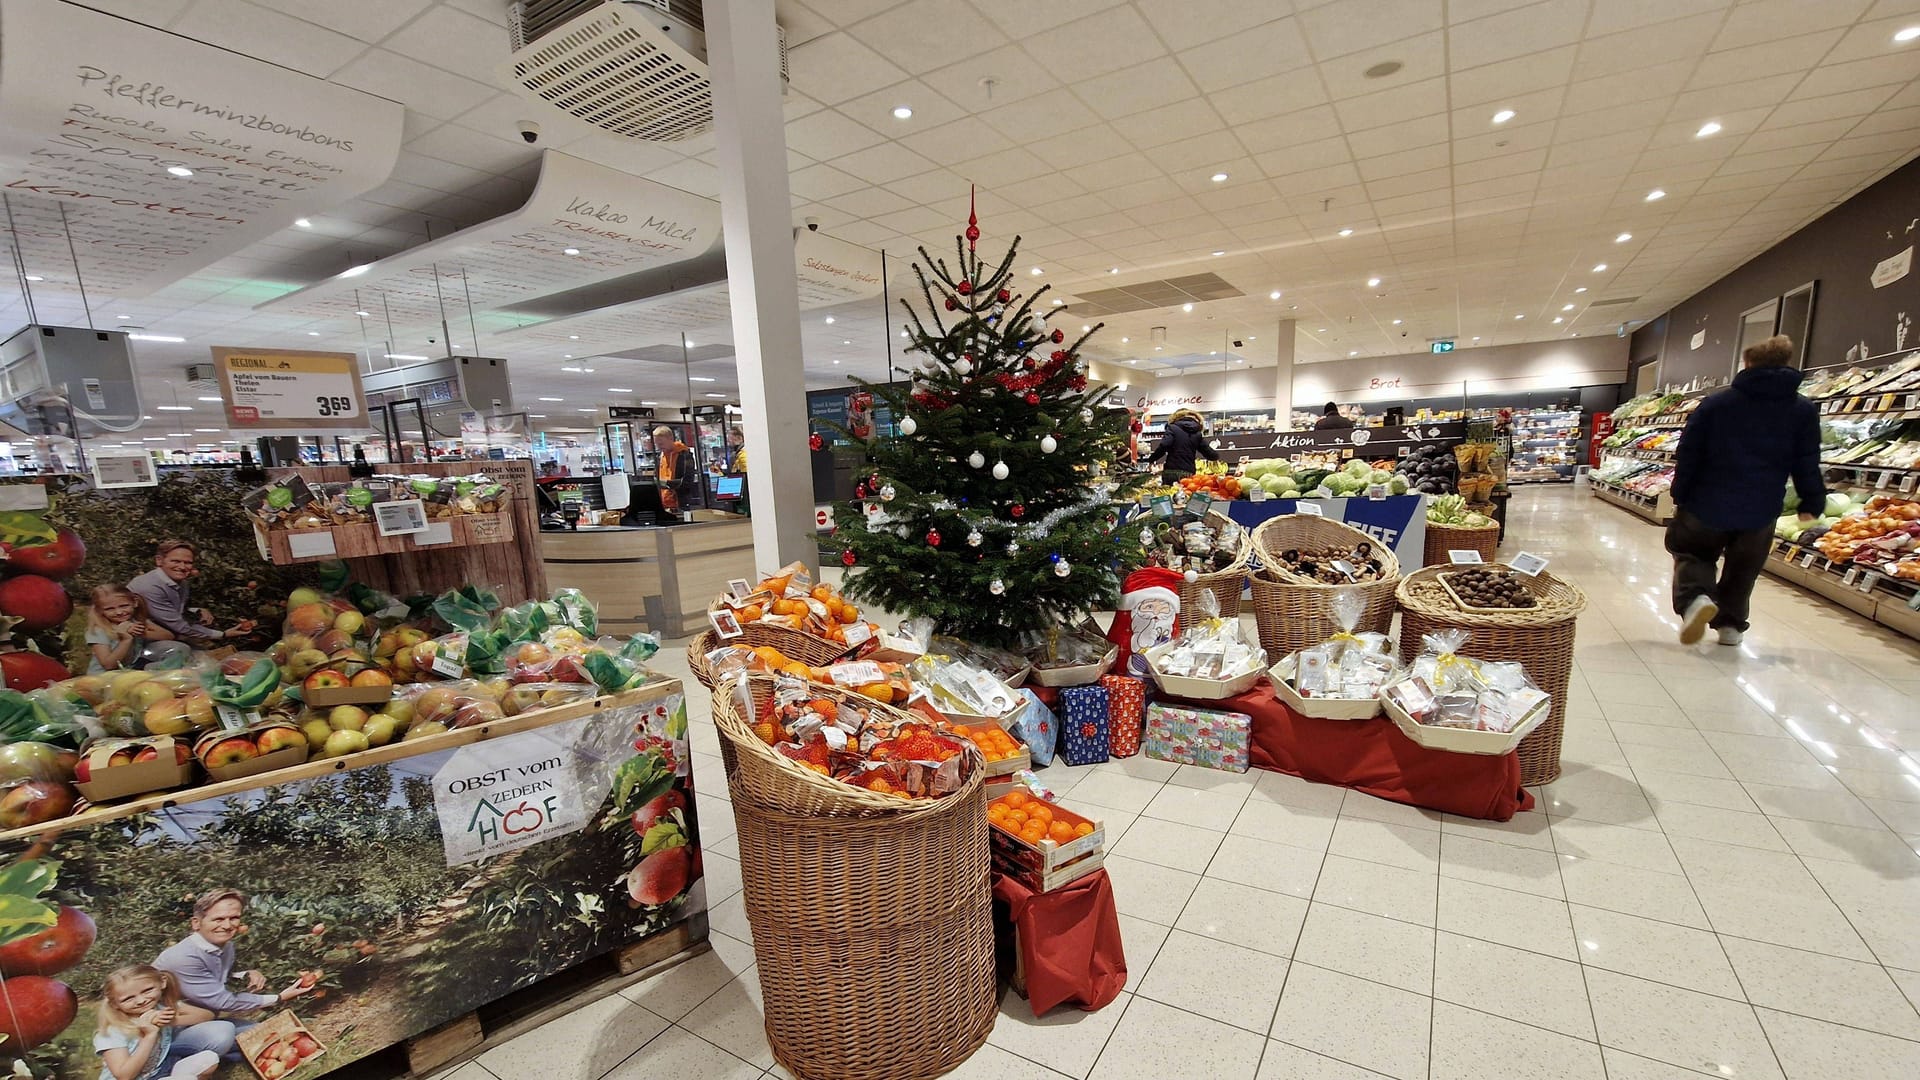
x: 1722, y: 883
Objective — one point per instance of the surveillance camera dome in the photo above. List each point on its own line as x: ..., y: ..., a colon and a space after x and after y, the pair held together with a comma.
x: 529, y: 131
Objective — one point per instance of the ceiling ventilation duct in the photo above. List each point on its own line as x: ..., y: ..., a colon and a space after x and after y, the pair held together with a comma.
x: 636, y: 68
x: 68, y: 381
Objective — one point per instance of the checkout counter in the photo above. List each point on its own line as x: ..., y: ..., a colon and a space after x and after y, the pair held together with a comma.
x: 652, y: 571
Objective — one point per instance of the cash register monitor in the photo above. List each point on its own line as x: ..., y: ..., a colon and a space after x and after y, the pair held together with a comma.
x: 726, y: 488
x: 645, y: 507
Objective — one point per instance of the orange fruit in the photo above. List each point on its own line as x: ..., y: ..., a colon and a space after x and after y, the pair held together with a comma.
x: 777, y: 585
x: 1018, y: 817
x: 1017, y: 799
x: 1033, y: 834
x: 849, y: 613
x: 1085, y: 828
x: 1061, y: 833
x: 823, y: 593
x: 752, y: 613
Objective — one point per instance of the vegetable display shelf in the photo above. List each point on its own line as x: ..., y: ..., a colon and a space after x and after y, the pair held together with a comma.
x: 1875, y: 478
x: 1891, y: 602
x: 1546, y: 446
x: 1640, y: 455
x: 288, y: 547
x: 1655, y: 508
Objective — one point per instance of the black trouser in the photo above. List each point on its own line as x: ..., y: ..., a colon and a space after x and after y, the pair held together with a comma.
x: 1697, y: 547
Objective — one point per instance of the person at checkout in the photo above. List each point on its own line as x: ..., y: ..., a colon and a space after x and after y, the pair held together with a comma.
x: 675, y: 471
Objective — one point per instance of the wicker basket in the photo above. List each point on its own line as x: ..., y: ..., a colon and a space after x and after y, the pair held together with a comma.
x: 1540, y: 638
x: 793, y: 644
x: 1441, y: 539
x: 858, y: 901
x: 1225, y: 584
x: 1292, y: 613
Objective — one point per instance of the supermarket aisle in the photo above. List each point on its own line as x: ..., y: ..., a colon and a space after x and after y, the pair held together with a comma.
x: 1724, y: 882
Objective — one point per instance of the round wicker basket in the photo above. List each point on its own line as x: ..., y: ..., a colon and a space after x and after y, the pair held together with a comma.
x: 1441, y: 539
x: 1292, y: 613
x: 793, y: 644
x: 857, y: 899
x: 1225, y: 584
x: 1540, y: 638
x: 697, y: 651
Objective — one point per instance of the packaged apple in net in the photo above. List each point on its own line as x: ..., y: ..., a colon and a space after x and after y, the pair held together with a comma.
x: 533, y: 696
x: 444, y: 657
x: 150, y: 702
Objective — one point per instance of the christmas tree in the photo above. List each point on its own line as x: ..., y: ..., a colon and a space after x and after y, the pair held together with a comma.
x: 992, y: 512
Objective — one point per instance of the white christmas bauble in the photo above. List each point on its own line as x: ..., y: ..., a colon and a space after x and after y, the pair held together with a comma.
x: 1062, y: 568
x: 1039, y: 322
x: 887, y: 493
x: 963, y: 365
x: 1048, y: 444
x: 908, y: 427
x: 996, y: 586
x: 1000, y: 470
x: 1192, y: 575
x: 1013, y: 548
x: 1146, y: 537
x: 1086, y: 416
x: 974, y: 539
x: 977, y: 459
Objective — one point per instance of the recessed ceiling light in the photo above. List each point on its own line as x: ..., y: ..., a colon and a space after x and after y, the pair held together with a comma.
x: 1058, y: 302
x: 35, y: 277
x: 1396, y: 322
x: 836, y: 363
x: 538, y: 415
x: 699, y: 378
x: 1346, y: 232
x: 123, y: 318
x: 179, y: 170
x: 1156, y: 348
x: 1711, y: 127
x: 1035, y: 271
x: 901, y: 112
x: 1519, y: 316
x: 716, y: 395
x: 1353, y: 352
x: 1566, y: 307
x: 1250, y: 337
x: 689, y: 344
x: 303, y: 223
x: 1557, y: 319
x: 1581, y: 289
x: 1322, y: 330
x: 1219, y: 178
x: 364, y: 314
x: 1373, y: 283
x: 1476, y: 339
x: 1655, y: 195
x: 1599, y: 267
x: 586, y: 410
x: 588, y: 370
x: 1274, y: 295
x: 403, y: 356
x: 1907, y: 34
x: 1186, y: 307
x: 570, y: 369
x: 573, y: 337
x: 210, y: 397
x: 1623, y: 238
x: 1123, y: 341
x: 829, y: 320
x: 313, y: 333
x: 1217, y: 254
x: 568, y: 356
x: 1215, y: 352
x: 174, y: 408
x: 619, y: 389
x: 1503, y: 116
x: 1086, y: 329
x: 207, y: 430
x: 158, y: 337
x: 569, y: 251
x: 649, y: 403
x: 553, y: 399
x: 846, y: 343
x: 903, y: 333
x: 1113, y: 269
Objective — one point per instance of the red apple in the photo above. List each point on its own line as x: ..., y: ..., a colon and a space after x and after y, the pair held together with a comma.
x: 238, y: 663
x: 475, y: 713
x: 35, y: 802
x: 38, y: 602
x: 275, y: 739
x: 326, y: 678
x: 52, y: 950
x: 58, y: 559
x: 28, y: 670
x: 33, y: 1009
x: 332, y: 642
x: 310, y: 619
x: 231, y: 751
x: 372, y: 677
x: 656, y: 811
x: 660, y: 876
x: 181, y: 755
x: 304, y: 1042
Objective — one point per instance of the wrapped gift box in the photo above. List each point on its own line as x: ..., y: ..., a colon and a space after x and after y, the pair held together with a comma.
x: 1084, y: 724
x: 1038, y: 728
x: 1207, y: 737
x: 1126, y: 713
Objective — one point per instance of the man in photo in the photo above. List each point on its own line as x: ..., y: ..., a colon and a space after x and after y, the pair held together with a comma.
x: 167, y: 594
x: 203, y: 961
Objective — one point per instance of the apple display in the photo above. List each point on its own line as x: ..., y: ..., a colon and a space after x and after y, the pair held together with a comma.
x: 310, y: 619
x: 474, y: 713
x: 342, y: 743
x: 423, y: 729
x: 373, y: 677
x: 436, y: 704
x: 326, y: 679
x: 380, y: 729
x: 231, y: 751
x: 316, y: 731
x: 198, y: 706
x: 33, y: 761
x: 166, y: 717
x: 34, y: 1009
x: 275, y: 739
x: 152, y: 753
x: 35, y: 802
x: 350, y: 622
x: 347, y: 718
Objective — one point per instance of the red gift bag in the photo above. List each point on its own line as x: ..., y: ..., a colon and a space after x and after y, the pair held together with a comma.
x: 1126, y: 713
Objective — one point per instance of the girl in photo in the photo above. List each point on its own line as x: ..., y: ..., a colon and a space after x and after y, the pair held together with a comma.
x: 118, y: 629
x: 146, y: 1032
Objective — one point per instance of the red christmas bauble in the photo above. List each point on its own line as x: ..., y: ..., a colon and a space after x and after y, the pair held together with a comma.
x: 1058, y: 337
x: 859, y: 491
x: 1005, y: 296
x: 1059, y: 356
x: 1033, y: 398
x: 965, y: 288
x: 1018, y: 510
x: 952, y: 304
x: 1029, y: 363
x: 933, y: 537
x: 847, y: 557
x: 814, y: 440
x: 973, y: 232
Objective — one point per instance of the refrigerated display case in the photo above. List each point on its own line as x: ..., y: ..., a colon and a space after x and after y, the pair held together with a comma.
x: 1546, y: 445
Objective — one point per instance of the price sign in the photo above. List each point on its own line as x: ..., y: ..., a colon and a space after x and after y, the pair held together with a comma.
x: 1852, y: 576
x: 1198, y: 503
x: 1459, y: 558
x: 1867, y: 583
x: 1377, y: 492
x: 289, y: 390
x: 1527, y: 563
x: 1906, y: 483
x: 401, y: 518
x: 1913, y: 602
x: 1311, y: 509
x: 1806, y: 561
x: 124, y: 471
x: 1886, y: 478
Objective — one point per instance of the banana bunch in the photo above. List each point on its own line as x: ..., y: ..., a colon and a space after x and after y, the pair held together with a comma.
x: 251, y: 692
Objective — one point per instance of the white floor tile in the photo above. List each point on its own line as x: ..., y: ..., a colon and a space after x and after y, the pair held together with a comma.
x: 1141, y: 940
x: 1407, y: 895
x: 1285, y: 1061
x: 733, y: 1020
x: 1470, y: 1045
x: 1067, y: 1040
x: 1149, y: 891
x: 1369, y: 946
x: 585, y: 1044
x: 1531, y: 829
x: 1279, y: 868
x: 1814, y: 1048
x: 1207, y: 809
x: 1679, y: 1027
x: 1823, y: 987
x: 1657, y: 951
x: 679, y: 1052
x: 1363, y: 1023
x: 1293, y: 791
x: 1481, y: 975
x: 1521, y: 920
x: 1214, y: 978
x: 1168, y: 843
x: 675, y: 992
x: 1396, y: 845
x: 1723, y: 826
x: 1646, y: 849
x: 992, y: 1063
x: 1155, y: 1041
x: 1280, y: 823
x: 1501, y: 865
x: 1266, y: 921
x: 1116, y: 790
x: 1359, y: 804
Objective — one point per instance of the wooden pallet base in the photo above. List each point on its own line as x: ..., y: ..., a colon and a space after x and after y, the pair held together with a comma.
x: 466, y: 1037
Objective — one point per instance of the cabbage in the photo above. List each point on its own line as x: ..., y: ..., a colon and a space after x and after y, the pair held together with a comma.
x: 1792, y: 502
x: 1379, y: 476
x: 1788, y: 526
x: 1358, y: 469
x: 1319, y: 493
x: 1838, y: 504
x: 1397, y: 484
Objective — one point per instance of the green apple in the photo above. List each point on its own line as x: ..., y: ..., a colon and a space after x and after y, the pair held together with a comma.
x: 380, y: 729
x: 347, y: 718
x: 421, y: 731
x: 303, y: 596
x: 342, y: 743
x: 317, y: 731
x: 401, y: 709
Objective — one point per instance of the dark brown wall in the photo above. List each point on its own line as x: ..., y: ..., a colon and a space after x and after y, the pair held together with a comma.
x: 1838, y: 251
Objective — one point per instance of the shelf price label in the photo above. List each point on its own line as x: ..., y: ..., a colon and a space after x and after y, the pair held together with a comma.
x: 1806, y: 561
x: 1459, y: 557
x: 1309, y: 508
x: 1852, y: 576
x: 1867, y: 583
x: 1527, y: 563
x: 1906, y: 483
x: 402, y: 517
x: 289, y: 390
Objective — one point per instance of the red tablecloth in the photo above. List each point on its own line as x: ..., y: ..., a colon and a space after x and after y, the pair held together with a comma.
x: 1069, y: 941
x: 1374, y: 757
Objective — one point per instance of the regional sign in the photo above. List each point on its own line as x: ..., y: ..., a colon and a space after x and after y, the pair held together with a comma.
x: 505, y: 794
x: 289, y: 391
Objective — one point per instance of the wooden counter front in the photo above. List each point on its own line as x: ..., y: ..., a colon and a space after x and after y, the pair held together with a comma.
x: 659, y: 580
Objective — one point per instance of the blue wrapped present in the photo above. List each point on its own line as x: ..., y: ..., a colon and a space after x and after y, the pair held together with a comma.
x: 1083, y: 712
x: 1038, y: 728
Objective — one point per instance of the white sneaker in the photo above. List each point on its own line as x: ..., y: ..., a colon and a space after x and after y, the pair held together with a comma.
x: 1693, y: 625
x: 1730, y: 636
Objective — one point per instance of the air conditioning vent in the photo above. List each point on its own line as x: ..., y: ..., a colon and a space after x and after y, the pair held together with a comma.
x: 636, y: 68
x: 1615, y: 302
x: 1139, y: 296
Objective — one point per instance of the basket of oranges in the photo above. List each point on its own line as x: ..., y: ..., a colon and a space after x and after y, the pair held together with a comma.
x: 808, y: 622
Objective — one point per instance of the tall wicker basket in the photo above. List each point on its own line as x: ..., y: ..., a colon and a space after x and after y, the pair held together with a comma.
x: 859, y: 903
x: 1225, y: 584
x: 793, y: 644
x: 1540, y: 638
x: 1441, y: 539
x: 1292, y: 613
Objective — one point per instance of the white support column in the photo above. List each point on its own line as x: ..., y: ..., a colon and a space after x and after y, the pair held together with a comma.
x: 1283, y: 377
x: 757, y: 218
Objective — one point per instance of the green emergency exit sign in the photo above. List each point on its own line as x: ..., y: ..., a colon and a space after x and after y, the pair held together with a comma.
x: 1442, y: 346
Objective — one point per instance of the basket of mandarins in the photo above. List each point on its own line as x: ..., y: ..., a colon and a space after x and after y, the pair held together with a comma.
x: 810, y: 622
x: 862, y: 834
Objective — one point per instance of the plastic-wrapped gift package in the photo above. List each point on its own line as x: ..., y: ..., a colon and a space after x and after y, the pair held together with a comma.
x: 1206, y: 737
x: 1038, y: 728
x: 1126, y: 713
x: 1084, y: 721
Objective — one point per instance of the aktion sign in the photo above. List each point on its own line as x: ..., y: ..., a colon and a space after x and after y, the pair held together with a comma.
x: 289, y: 391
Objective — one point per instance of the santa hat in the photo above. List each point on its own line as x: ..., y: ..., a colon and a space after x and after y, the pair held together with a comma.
x: 1150, y: 583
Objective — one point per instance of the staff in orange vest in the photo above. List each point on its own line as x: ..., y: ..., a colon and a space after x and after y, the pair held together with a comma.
x: 674, y: 470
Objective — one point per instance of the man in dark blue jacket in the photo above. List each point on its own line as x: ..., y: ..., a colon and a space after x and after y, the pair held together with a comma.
x: 1738, y: 451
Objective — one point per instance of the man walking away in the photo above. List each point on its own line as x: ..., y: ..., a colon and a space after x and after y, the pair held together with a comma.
x: 1184, y: 442
x: 1736, y: 454
x: 1331, y: 420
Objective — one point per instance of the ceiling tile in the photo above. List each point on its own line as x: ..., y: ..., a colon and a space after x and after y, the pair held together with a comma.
x: 1022, y: 17
x: 930, y: 109
x: 439, y: 94
x: 1833, y: 106
x: 829, y: 134
x: 1168, y: 124
x: 367, y: 20
x: 451, y: 142
x: 1757, y: 21
x: 1337, y: 29
x: 1859, y: 75
x: 1494, y: 84
x: 952, y: 143
x: 836, y: 67
x: 919, y: 34
x: 883, y: 164
x: 1392, y: 106
x: 1137, y: 89
x: 1286, y: 92
x: 1052, y: 113
x: 1245, y: 57
x: 1087, y: 145
x: 1406, y: 183
x: 823, y: 182
x: 1785, y: 54
x: 1404, y: 136
x: 1181, y: 27
x: 1114, y: 39
x: 1004, y: 167
x: 1659, y: 82
x: 1199, y: 156
x: 461, y: 43
x: 269, y: 35
x: 1313, y: 155
x: 869, y: 202
x: 1306, y: 125
x: 1534, y: 28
